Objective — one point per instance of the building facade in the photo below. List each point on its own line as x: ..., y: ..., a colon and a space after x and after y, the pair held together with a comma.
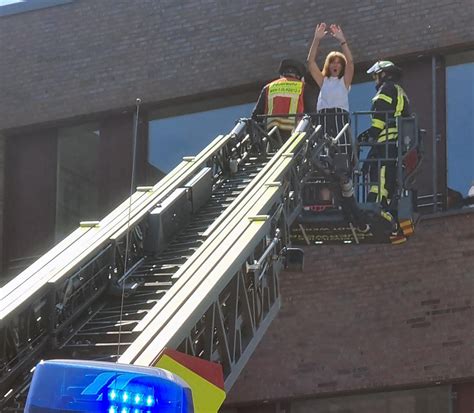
x: 70, y: 74
x: 372, y: 329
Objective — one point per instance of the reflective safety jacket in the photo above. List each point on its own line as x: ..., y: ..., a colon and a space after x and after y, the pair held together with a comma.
x: 280, y: 97
x: 390, y: 98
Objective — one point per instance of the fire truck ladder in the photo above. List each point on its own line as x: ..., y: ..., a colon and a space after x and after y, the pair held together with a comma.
x: 197, y: 256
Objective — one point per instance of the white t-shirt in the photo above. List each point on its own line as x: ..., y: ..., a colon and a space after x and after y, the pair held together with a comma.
x: 333, y: 94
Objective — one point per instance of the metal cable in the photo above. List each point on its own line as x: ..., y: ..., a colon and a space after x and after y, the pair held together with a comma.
x: 127, y: 236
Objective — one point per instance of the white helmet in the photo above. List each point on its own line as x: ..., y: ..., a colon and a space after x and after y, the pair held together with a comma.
x: 385, y: 66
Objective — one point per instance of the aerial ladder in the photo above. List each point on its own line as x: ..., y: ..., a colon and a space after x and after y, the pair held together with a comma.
x: 190, y: 264
x: 198, y: 256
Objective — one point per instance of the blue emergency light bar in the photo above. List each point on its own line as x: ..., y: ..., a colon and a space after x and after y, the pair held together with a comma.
x: 101, y: 387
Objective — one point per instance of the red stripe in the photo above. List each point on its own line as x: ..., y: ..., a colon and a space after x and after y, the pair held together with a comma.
x: 210, y: 371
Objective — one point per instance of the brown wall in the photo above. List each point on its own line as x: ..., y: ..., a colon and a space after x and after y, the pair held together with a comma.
x: 371, y: 317
x: 436, y: 399
x: 463, y: 398
x: 91, y: 56
x: 2, y: 195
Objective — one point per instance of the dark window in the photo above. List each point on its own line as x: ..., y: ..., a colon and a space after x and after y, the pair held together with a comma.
x: 77, y: 191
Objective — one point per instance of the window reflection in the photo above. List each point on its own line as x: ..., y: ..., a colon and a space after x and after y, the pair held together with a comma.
x: 172, y: 138
x: 460, y: 126
x: 77, y: 194
x: 360, y: 101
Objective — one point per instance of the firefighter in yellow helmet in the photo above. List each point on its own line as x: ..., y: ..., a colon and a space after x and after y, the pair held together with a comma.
x: 389, y: 102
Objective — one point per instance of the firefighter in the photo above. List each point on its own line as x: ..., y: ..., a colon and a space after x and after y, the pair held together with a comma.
x: 283, y: 96
x: 389, y: 102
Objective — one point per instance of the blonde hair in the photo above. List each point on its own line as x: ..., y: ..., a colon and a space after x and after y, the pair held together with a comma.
x: 329, y: 59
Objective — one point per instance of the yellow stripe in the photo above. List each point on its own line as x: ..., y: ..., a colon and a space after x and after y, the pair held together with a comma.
x: 294, y: 104
x: 400, y: 101
x: 377, y: 123
x: 381, y: 96
x: 382, y: 182
x: 207, y: 398
x: 375, y: 188
x: 386, y: 216
x: 270, y: 105
x: 392, y: 134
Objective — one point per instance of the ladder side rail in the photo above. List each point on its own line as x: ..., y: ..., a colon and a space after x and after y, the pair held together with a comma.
x: 266, y: 176
x: 189, y: 279
x: 41, y: 262
x: 225, y: 261
x: 216, y: 260
x: 114, y: 265
x: 100, y: 235
x: 234, y: 346
x: 102, y: 232
x: 55, y: 296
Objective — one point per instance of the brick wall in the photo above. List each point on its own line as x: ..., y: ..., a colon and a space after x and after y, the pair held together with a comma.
x: 436, y: 399
x: 91, y: 56
x: 368, y: 317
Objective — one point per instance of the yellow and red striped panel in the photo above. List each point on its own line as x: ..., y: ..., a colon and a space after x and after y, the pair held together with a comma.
x: 205, y: 378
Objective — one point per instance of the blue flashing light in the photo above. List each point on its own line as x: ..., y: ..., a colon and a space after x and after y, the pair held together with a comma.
x: 150, y: 401
x: 100, y: 387
x: 137, y: 399
x: 113, y: 395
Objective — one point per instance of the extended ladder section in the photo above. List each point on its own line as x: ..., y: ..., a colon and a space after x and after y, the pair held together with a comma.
x: 191, y: 263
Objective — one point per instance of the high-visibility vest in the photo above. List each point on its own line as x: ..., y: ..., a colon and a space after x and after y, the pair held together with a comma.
x: 284, y: 95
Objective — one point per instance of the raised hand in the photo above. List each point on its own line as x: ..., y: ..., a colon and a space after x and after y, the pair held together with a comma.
x: 320, y: 31
x: 337, y: 33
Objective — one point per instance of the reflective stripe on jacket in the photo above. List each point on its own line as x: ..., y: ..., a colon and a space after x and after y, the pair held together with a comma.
x: 390, y: 98
x: 284, y: 96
